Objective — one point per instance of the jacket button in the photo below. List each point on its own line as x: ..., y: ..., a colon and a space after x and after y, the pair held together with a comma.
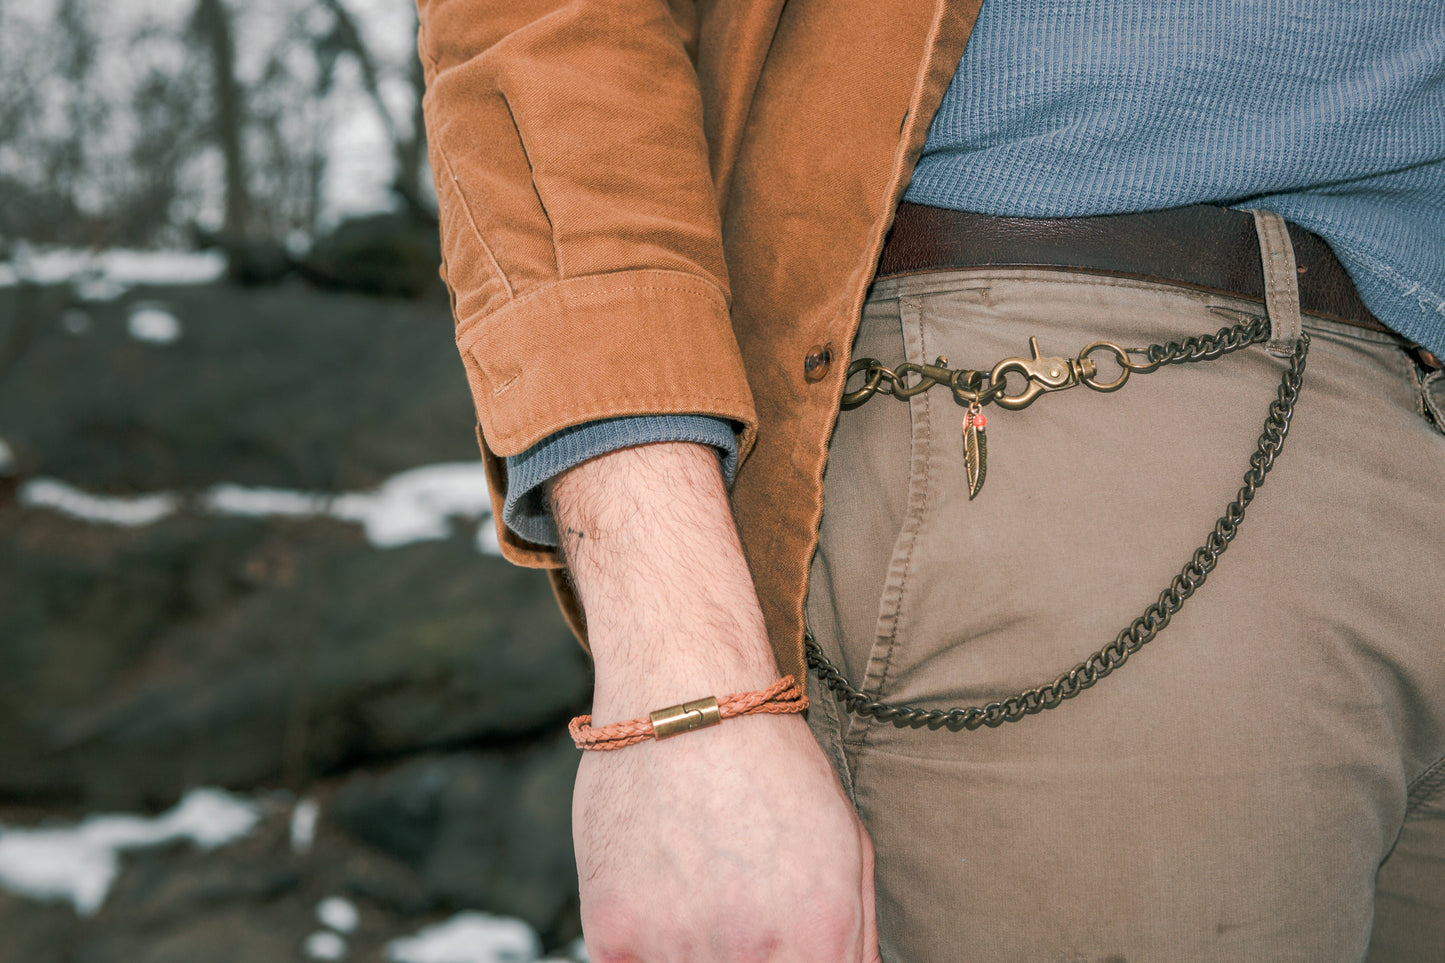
x: 817, y: 362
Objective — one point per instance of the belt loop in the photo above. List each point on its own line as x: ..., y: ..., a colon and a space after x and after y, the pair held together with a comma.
x: 1281, y: 283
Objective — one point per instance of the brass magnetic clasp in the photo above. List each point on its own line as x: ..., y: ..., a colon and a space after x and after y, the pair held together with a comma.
x: 1044, y: 374
x: 675, y: 720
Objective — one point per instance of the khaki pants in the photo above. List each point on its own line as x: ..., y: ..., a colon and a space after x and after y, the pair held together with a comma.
x: 1264, y: 781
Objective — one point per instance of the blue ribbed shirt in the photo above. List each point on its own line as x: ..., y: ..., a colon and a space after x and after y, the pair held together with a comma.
x: 1330, y: 112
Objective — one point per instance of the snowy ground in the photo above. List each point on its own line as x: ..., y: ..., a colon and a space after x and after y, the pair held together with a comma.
x: 472, y: 937
x: 76, y: 864
x: 106, y: 275
x: 79, y: 863
x: 414, y: 506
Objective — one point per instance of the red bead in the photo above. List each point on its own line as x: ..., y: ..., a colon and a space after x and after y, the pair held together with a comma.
x: 979, y: 421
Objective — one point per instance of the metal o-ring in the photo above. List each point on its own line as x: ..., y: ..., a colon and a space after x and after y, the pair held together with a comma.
x: 876, y: 374
x: 1126, y: 367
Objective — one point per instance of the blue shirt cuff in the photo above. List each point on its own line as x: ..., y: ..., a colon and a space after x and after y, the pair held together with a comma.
x: 525, y: 511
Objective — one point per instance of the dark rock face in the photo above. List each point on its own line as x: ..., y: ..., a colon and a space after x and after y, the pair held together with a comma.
x: 245, y: 652
x: 421, y: 692
x: 480, y: 829
x: 256, y: 900
x: 33, y: 931
x: 234, y: 652
x: 391, y: 255
x: 283, y: 386
x: 249, y: 260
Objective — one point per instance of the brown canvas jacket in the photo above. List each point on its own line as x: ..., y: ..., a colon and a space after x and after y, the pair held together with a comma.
x: 667, y: 207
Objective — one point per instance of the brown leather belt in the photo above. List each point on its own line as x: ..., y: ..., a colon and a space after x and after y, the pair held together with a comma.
x: 1208, y: 248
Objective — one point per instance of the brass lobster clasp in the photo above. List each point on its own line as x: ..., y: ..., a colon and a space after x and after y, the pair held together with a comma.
x: 1044, y: 374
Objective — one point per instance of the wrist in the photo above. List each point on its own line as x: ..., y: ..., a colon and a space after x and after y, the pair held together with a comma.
x: 784, y: 697
x: 672, y: 614
x: 676, y: 670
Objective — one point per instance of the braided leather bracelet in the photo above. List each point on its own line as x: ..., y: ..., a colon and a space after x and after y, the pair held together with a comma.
x: 781, y: 697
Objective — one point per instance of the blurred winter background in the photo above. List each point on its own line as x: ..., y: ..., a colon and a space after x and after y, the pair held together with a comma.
x: 266, y: 692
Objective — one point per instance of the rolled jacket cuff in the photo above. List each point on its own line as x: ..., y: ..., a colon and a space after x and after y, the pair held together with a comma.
x: 525, y: 511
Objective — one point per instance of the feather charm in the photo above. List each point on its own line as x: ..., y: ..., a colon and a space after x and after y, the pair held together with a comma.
x: 975, y: 449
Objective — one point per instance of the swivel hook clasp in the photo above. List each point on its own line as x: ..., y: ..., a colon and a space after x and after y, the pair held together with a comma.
x: 1044, y: 374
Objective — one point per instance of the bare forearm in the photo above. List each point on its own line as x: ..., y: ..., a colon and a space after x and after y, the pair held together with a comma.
x: 671, y: 611
x: 731, y: 844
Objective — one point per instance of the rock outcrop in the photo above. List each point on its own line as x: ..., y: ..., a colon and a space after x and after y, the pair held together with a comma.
x: 419, y: 692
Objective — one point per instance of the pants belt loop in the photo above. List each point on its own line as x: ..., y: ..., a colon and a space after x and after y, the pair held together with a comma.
x: 1281, y: 283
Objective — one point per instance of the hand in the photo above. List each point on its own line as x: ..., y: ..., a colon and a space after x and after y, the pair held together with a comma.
x: 732, y: 843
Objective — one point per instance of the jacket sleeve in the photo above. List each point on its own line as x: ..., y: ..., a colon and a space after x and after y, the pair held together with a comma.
x: 580, y: 236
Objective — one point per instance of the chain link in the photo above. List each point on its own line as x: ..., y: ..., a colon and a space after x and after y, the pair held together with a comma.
x: 1157, y: 616
x: 975, y: 387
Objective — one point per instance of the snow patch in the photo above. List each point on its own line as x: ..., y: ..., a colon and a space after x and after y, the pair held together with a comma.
x: 99, y: 288
x: 414, y: 506
x: 487, y: 541
x: 163, y: 267
x: 417, y: 505
x: 153, y: 323
x: 338, y: 914
x: 79, y: 863
x: 264, y: 502
x: 303, y: 825
x: 324, y: 945
x: 105, y: 275
x: 75, y: 321
x: 469, y: 937
x: 127, y: 510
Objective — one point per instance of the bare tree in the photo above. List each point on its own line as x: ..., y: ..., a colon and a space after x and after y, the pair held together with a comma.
x: 212, y: 26
x: 121, y: 125
x: 408, y: 146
